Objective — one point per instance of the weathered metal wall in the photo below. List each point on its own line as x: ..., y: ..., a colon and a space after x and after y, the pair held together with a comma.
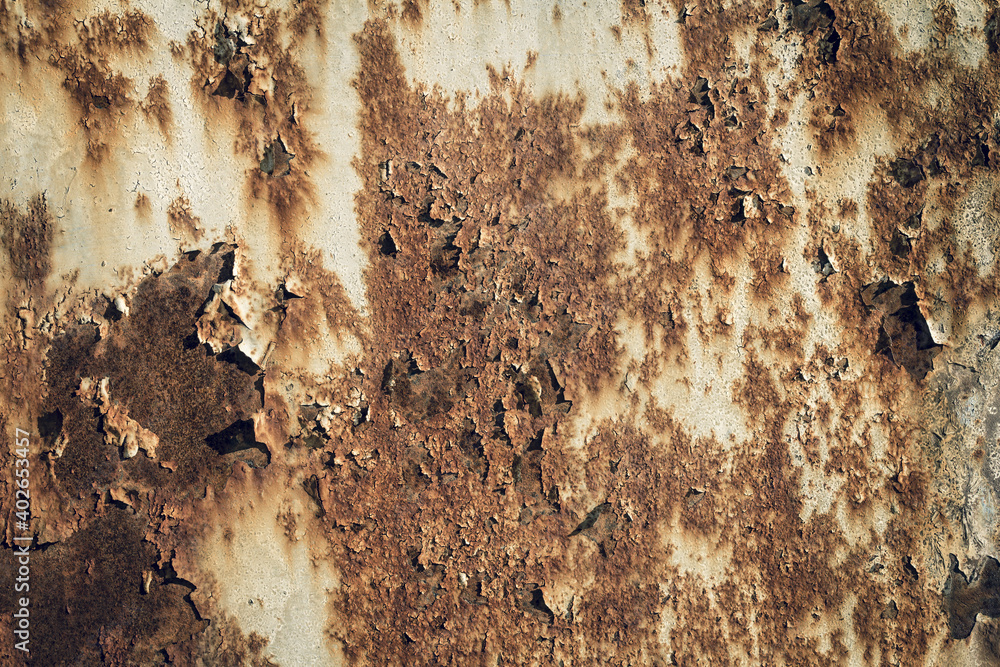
x: 502, y: 333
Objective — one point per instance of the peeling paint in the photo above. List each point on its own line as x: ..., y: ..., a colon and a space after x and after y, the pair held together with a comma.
x: 491, y: 333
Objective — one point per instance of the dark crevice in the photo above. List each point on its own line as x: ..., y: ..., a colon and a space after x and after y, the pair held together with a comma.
x: 50, y: 424
x: 227, y: 272
x: 535, y: 444
x: 111, y: 313
x: 591, y: 518
x: 906, y: 172
x: 386, y: 245
x: 904, y: 336
x: 237, y: 437
x: 817, y: 16
x: 700, y: 96
x: 822, y: 265
x: 738, y: 215
x: 900, y: 244
x: 238, y: 358
x: 537, y: 602
x: 277, y: 160
x: 993, y: 32
x: 828, y: 47
x: 694, y: 496
x: 259, y: 386
x: 225, y: 47
x: 982, y: 157
x: 191, y: 341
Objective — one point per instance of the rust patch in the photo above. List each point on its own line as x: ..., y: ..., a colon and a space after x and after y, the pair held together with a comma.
x: 261, y: 79
x: 103, y: 592
x: 182, y: 221
x: 156, y: 104
x: 27, y: 239
x: 156, y: 371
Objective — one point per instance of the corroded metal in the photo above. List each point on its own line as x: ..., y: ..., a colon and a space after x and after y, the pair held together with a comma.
x: 503, y: 333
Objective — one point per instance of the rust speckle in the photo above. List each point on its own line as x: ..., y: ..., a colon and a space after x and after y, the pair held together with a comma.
x: 182, y: 221
x: 156, y: 104
x: 27, y: 239
x: 142, y: 205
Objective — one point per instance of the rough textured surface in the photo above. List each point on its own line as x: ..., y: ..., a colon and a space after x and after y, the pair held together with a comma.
x: 503, y: 333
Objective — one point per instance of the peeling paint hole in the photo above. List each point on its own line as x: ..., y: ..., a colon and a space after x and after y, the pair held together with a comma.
x: 123, y: 506
x: 238, y: 358
x: 735, y: 172
x: 228, y: 87
x: 829, y: 46
x: 100, y: 101
x: 768, y: 24
x: 191, y: 341
x: 964, y: 600
x: 386, y: 245
x: 900, y: 244
x: 700, y: 96
x: 891, y: 611
x: 361, y: 416
x: 537, y: 602
x: 993, y: 32
x: 50, y: 424
x: 694, y: 496
x: 227, y: 272
x: 535, y: 444
x: 809, y: 16
x: 470, y: 443
x: 909, y: 569
x: 817, y: 16
x: 240, y: 437
x: 528, y: 398
x: 822, y: 265
x: 112, y: 313
x: 277, y: 160
x: 683, y: 15
x: 838, y: 112
x: 225, y: 47
x: 907, y: 172
x: 591, y: 518
x: 562, y: 405
x: 444, y: 258
x: 904, y: 336
x: 738, y: 215
x: 982, y: 157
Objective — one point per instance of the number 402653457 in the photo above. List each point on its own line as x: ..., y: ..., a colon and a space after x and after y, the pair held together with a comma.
x: 22, y: 444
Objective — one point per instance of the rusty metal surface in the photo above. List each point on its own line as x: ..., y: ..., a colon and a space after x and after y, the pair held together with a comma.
x: 502, y: 333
